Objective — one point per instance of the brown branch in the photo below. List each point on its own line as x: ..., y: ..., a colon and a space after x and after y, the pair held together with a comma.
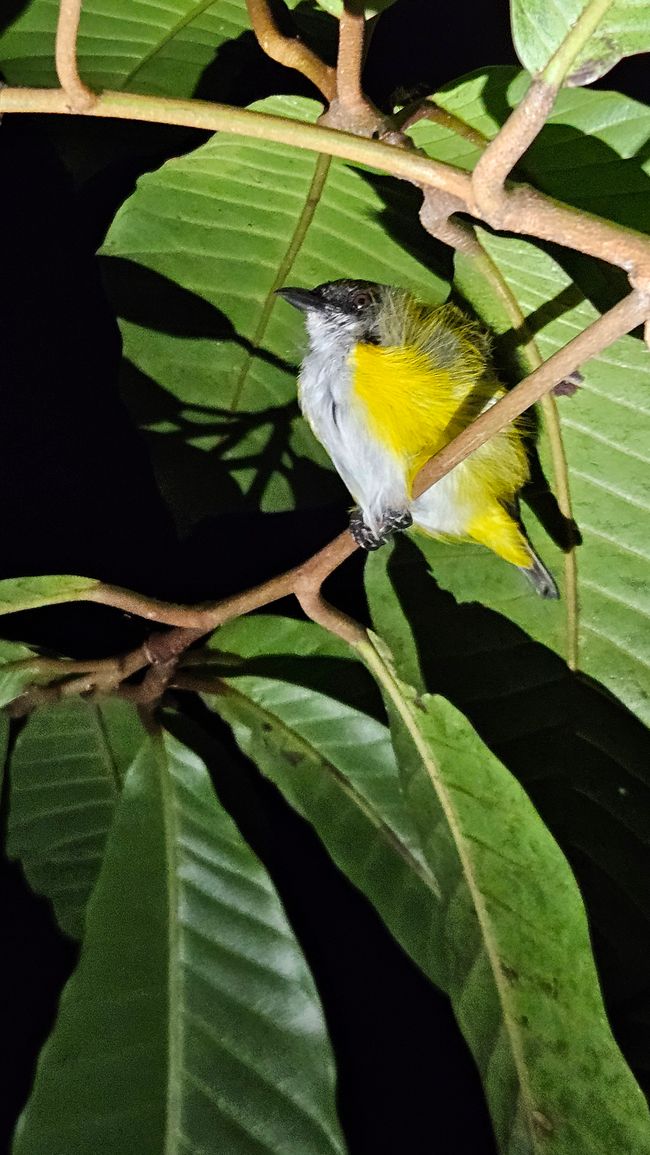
x: 509, y: 145
x: 289, y: 50
x: 350, y: 110
x: 305, y: 580
x: 80, y: 97
x: 524, y: 210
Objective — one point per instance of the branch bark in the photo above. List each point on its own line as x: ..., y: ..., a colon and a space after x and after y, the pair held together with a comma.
x: 289, y: 50
x: 523, y: 210
x: 351, y: 110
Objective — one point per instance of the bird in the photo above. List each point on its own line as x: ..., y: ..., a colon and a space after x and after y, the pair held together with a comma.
x: 387, y: 381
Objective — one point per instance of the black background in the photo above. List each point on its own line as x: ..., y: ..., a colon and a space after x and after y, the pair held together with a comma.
x: 79, y: 497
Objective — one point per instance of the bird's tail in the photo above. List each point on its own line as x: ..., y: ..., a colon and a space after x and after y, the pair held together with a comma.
x: 539, y: 577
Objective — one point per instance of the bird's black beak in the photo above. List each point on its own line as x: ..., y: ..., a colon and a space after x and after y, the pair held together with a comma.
x: 303, y: 299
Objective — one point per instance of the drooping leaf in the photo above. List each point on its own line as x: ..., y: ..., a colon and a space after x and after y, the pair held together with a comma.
x: 27, y: 593
x: 538, y: 30
x: 67, y: 770
x: 192, y: 1022
x: 208, y: 238
x: 583, y: 759
x: 495, y: 918
x: 14, y: 679
x: 308, y: 742
x: 520, y: 972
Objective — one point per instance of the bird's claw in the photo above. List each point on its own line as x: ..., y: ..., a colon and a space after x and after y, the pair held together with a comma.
x: 393, y: 521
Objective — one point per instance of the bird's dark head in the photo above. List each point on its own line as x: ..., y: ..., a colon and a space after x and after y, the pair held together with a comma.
x: 338, y: 307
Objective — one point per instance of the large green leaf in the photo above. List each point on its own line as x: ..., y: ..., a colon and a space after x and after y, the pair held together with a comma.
x: 494, y: 917
x: 519, y: 968
x: 590, y: 153
x: 539, y: 28
x: 208, y: 238
x: 137, y: 45
x: 606, y: 429
x: 308, y: 741
x: 67, y: 769
x: 583, y: 759
x: 192, y: 1023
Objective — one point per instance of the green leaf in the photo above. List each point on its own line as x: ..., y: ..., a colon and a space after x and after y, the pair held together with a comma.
x: 214, y: 234
x: 308, y: 742
x: 13, y: 680
x: 136, y: 45
x: 539, y: 29
x: 66, y: 772
x: 192, y: 1022
x: 605, y: 428
x: 522, y: 980
x: 27, y: 593
x: 587, y: 154
x: 590, y: 152
x: 519, y: 969
x: 582, y: 758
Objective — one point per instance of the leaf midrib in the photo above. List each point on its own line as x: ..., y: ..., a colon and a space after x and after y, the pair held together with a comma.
x: 321, y: 171
x: 389, y: 681
x: 424, y: 873
x: 164, y: 40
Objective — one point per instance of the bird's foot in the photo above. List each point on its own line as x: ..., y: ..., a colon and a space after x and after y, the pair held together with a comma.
x: 393, y: 521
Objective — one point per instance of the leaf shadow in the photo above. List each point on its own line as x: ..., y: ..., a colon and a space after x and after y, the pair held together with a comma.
x: 208, y: 459
x: 581, y: 756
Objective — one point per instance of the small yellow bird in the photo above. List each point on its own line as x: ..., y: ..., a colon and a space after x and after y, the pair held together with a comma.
x: 386, y: 383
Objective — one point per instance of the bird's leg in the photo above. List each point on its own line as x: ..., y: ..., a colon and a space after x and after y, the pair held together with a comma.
x: 392, y: 522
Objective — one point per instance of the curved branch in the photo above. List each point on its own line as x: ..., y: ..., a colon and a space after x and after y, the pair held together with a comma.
x: 523, y: 210
x: 289, y: 50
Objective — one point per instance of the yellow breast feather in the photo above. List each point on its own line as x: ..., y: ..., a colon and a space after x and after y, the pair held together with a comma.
x: 415, y: 409
x: 408, y: 406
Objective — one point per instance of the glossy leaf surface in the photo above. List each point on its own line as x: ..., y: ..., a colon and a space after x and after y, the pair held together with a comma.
x: 494, y: 918
x: 191, y: 1023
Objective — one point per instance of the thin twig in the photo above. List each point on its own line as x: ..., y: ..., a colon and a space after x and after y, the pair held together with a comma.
x: 80, y: 97
x: 289, y: 50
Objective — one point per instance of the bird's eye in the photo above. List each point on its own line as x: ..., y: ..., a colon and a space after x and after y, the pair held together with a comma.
x: 360, y: 300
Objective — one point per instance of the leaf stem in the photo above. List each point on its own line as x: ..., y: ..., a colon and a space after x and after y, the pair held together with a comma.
x: 556, y: 71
